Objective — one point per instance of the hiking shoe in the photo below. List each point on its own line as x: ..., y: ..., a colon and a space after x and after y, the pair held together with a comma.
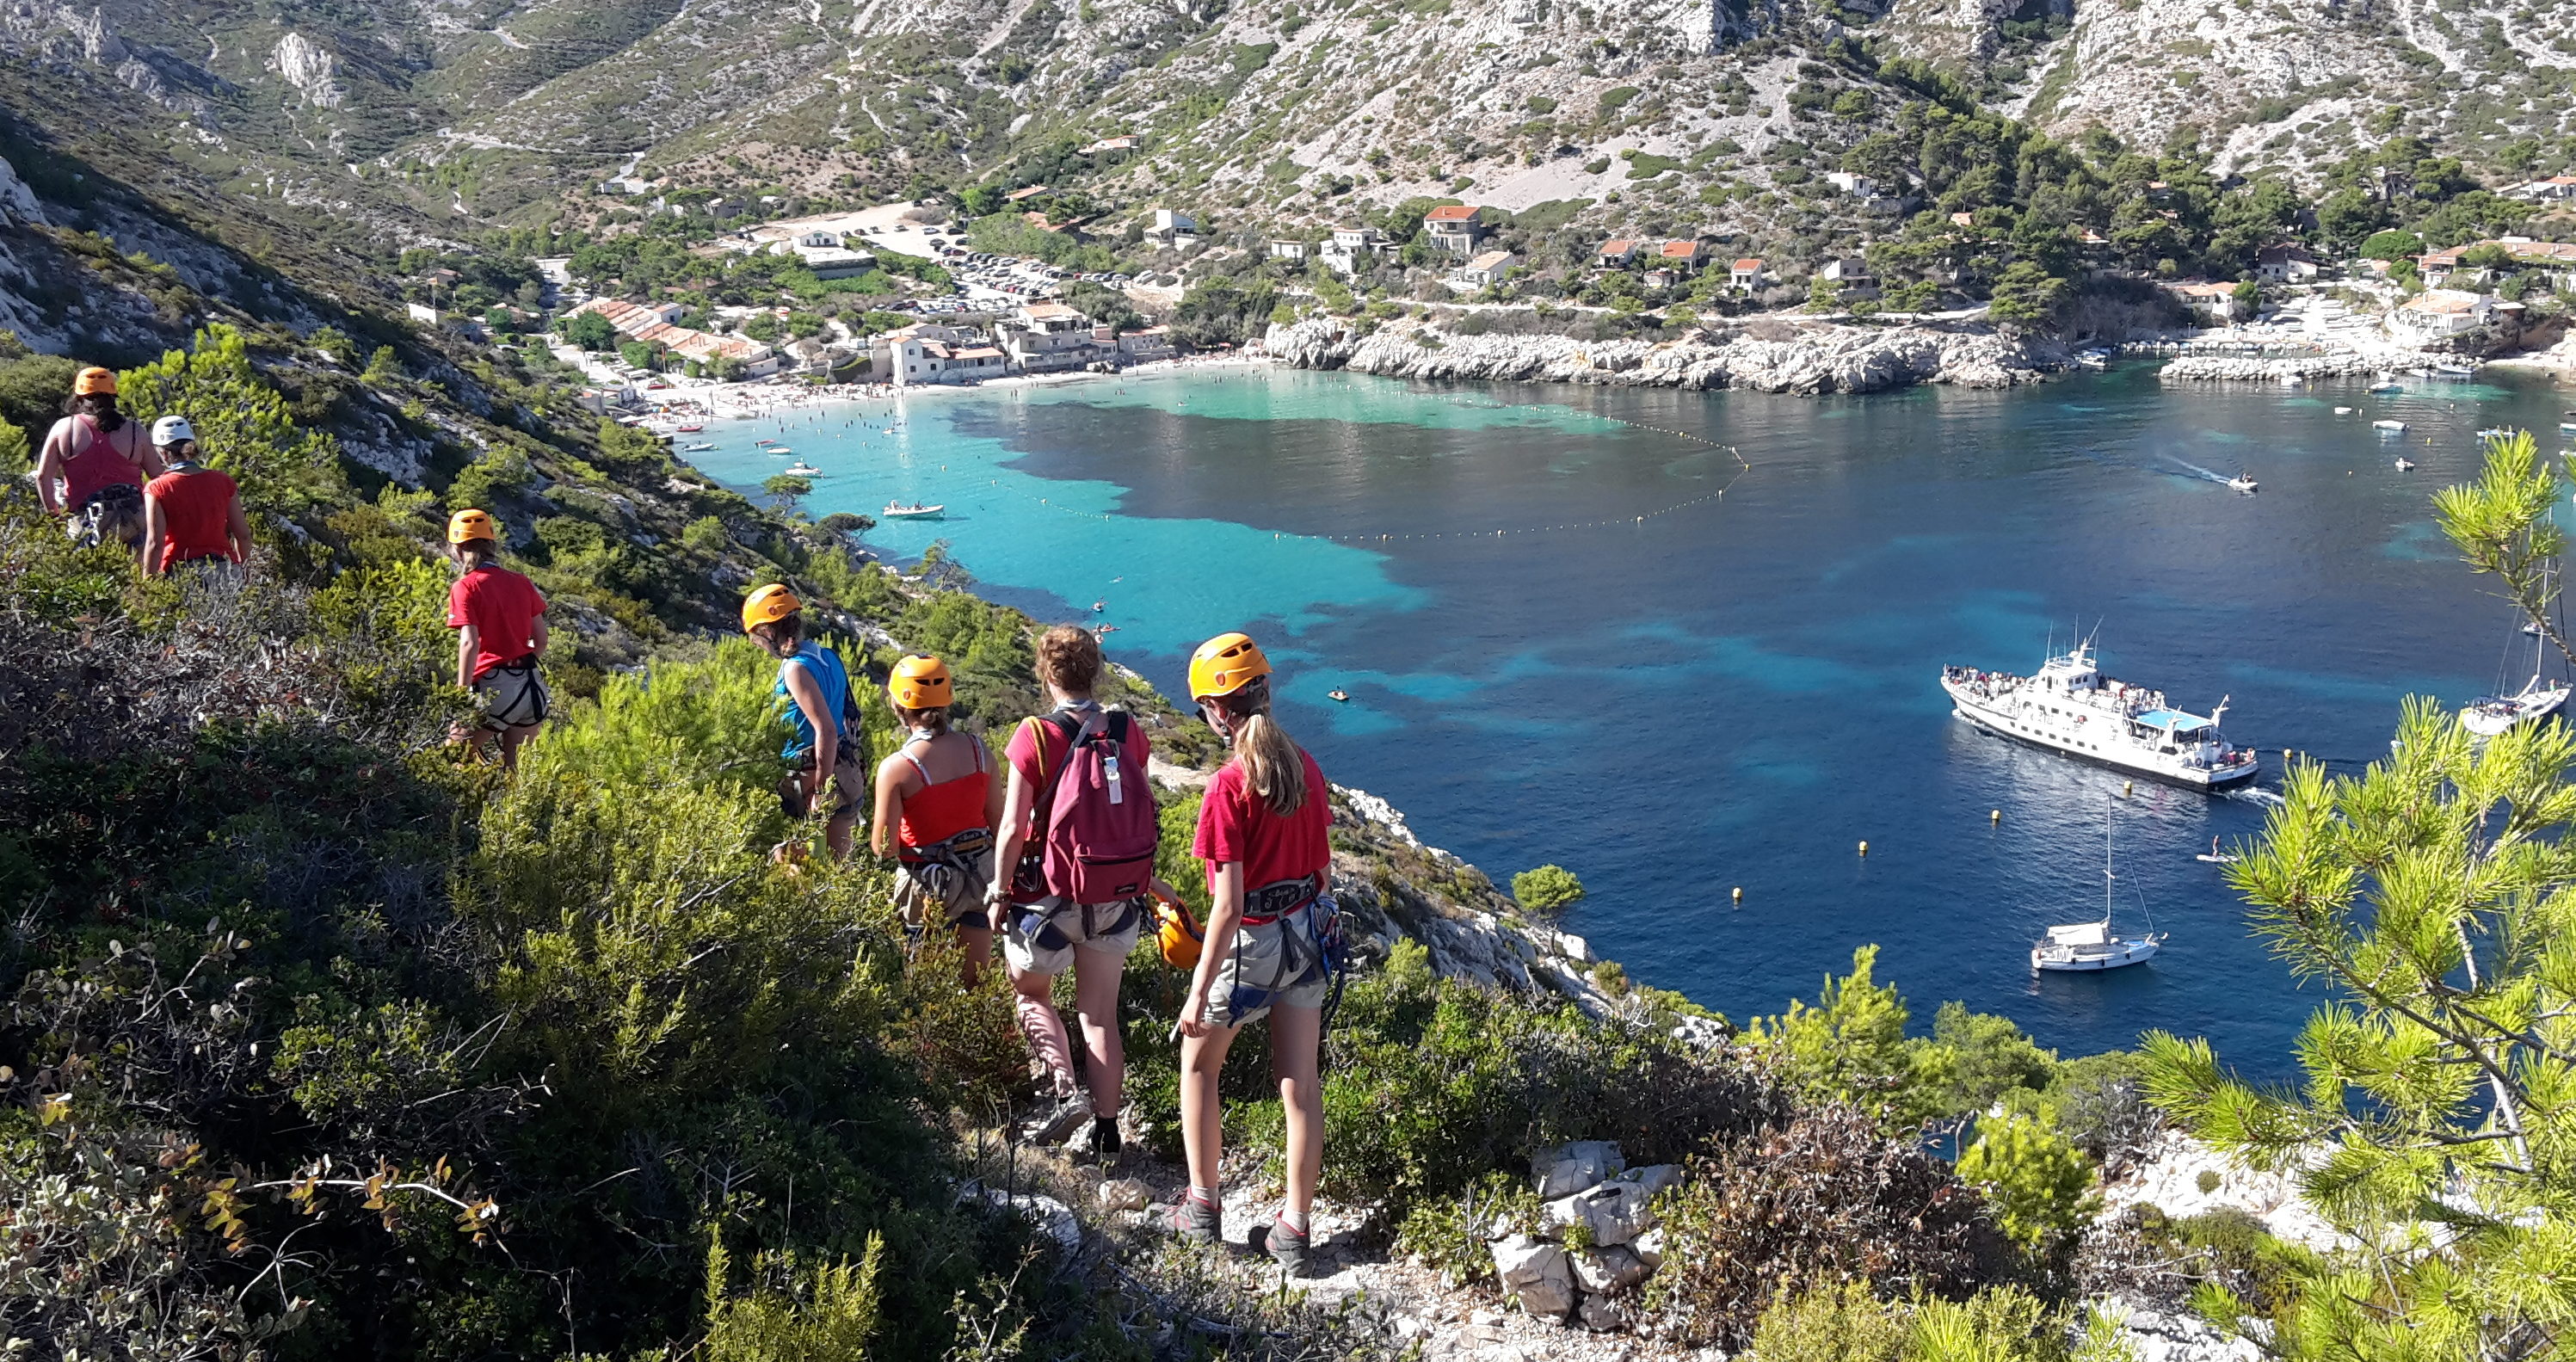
x: 1290, y: 1248
x: 1052, y: 1124
x: 1193, y: 1219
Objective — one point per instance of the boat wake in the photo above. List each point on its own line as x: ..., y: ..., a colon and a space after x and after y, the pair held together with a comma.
x: 2199, y: 472
x: 2253, y: 794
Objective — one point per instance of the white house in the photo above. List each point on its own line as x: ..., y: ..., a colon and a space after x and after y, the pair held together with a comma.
x: 2219, y: 298
x: 1484, y: 271
x: 1454, y: 228
x: 818, y: 239
x: 2284, y: 265
x: 1617, y: 253
x: 1747, y: 274
x: 1048, y: 337
x: 1286, y: 249
x: 1861, y: 186
x: 2554, y: 189
x: 2440, y: 312
x: 1342, y: 252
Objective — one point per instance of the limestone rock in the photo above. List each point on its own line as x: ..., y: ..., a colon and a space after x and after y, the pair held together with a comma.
x: 1610, y: 1270
x: 1537, y: 1272
x: 310, y: 68
x: 1649, y: 1248
x: 1602, y: 1314
x: 1571, y: 1168
x: 1615, y: 1212
x: 1654, y: 1177
x: 18, y: 202
x: 1125, y: 1194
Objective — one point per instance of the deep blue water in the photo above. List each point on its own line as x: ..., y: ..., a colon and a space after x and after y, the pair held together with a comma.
x: 1741, y: 691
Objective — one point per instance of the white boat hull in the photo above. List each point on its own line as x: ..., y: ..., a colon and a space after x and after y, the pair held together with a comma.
x: 2000, y: 721
x: 2092, y: 959
x: 2490, y: 718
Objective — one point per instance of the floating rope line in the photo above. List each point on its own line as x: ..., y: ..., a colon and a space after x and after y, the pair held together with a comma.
x: 1742, y: 467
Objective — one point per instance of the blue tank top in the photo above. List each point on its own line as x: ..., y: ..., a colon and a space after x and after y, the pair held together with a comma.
x: 835, y: 681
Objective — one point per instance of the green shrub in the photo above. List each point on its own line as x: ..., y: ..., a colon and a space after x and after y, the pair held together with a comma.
x: 2207, y: 1181
x: 1547, y: 890
x: 1842, y: 1322
x: 1826, y: 1197
x: 1451, y: 1234
x: 2041, y: 1187
x: 706, y: 534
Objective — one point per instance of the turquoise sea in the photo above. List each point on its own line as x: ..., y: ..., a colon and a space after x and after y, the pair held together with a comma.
x: 1564, y: 645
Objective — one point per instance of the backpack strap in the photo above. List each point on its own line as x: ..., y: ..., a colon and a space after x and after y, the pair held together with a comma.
x: 1071, y: 729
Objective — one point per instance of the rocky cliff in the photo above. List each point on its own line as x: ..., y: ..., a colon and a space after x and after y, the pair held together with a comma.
x: 1782, y: 359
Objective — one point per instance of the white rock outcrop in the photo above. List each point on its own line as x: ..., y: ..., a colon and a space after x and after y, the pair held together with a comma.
x: 1810, y: 359
x: 310, y: 68
x: 17, y: 202
x: 1571, y: 1168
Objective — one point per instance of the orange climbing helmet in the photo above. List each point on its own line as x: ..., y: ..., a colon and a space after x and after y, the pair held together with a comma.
x: 464, y: 527
x: 920, y: 681
x: 1179, y: 934
x: 93, y: 380
x: 1226, y: 664
x: 769, y: 605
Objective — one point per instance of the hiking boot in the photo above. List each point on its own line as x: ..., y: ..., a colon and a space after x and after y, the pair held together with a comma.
x: 1053, y: 1123
x: 1193, y: 1219
x: 1290, y: 1248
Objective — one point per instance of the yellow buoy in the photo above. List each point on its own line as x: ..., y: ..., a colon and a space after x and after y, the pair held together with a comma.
x: 2127, y: 788
x: 1996, y: 817
x: 1864, y: 848
x: 1739, y: 893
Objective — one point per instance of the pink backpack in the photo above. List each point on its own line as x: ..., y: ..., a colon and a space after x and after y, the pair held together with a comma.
x: 1097, y: 830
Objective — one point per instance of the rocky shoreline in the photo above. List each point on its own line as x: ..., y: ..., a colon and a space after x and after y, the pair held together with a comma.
x: 1790, y: 357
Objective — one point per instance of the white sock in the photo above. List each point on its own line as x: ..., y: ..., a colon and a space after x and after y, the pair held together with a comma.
x: 1206, y: 1194
x: 1295, y: 1220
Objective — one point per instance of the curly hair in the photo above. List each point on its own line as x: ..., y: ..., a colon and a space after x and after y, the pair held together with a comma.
x: 1069, y: 657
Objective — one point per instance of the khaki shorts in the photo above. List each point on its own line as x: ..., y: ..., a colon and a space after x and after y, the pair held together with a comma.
x: 1040, y: 937
x: 849, y: 782
x: 1279, y: 963
x: 514, y: 696
x: 948, y: 891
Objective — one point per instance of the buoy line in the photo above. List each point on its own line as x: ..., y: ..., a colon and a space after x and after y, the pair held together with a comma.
x: 1742, y: 467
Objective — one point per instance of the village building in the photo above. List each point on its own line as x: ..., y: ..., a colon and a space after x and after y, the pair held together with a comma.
x: 1454, y: 228
x: 1747, y: 275
x: 2284, y: 265
x: 1485, y: 271
x: 1685, y: 256
x: 2555, y: 189
x: 1050, y: 338
x: 1146, y: 345
x: 1343, y: 250
x: 2217, y: 299
x: 1285, y: 248
x: 2440, y: 313
x: 1617, y: 254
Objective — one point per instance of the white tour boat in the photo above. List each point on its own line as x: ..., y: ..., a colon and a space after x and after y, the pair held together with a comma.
x: 2071, y: 707
x: 2088, y: 946
x: 2244, y: 482
x: 896, y: 510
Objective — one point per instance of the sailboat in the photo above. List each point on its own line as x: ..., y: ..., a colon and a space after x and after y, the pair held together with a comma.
x: 2489, y: 715
x: 2086, y: 946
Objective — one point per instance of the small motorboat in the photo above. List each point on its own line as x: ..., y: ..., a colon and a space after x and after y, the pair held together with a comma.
x: 896, y: 510
x: 691, y: 430
x: 778, y: 449
x: 764, y: 443
x: 2387, y: 385
x: 2389, y: 425
x: 2216, y: 857
x: 2343, y: 411
x: 697, y: 447
x: 1109, y: 628
x: 2530, y: 630
x: 2084, y: 947
x: 1099, y: 606
x: 802, y: 469
x: 1341, y: 696
x: 2567, y: 427
x: 2496, y: 433
x: 2449, y: 370
x: 2404, y: 464
x: 2244, y: 482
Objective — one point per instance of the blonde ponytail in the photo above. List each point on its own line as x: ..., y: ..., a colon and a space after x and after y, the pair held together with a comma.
x: 1271, y: 763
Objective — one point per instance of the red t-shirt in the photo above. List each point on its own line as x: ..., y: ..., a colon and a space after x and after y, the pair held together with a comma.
x: 1023, y: 755
x: 1236, y: 824
x: 503, y: 608
x: 196, y: 515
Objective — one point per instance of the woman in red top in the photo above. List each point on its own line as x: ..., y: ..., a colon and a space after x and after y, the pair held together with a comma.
x: 1264, y: 832
x: 100, y: 461
x: 936, y: 797
x: 191, y: 513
